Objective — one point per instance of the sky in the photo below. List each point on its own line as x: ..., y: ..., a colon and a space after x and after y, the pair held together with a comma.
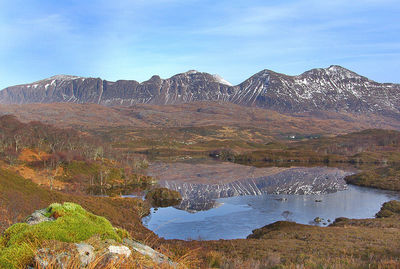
x: 135, y: 39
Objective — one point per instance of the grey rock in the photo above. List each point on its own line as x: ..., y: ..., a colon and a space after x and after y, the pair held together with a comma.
x: 112, y: 254
x: 86, y: 253
x: 317, y: 220
x: 37, y: 217
x: 120, y: 250
x: 109, y: 251
x: 156, y: 256
x: 45, y: 258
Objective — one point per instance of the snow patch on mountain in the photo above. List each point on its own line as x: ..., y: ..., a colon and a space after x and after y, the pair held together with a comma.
x: 221, y: 80
x: 191, y: 72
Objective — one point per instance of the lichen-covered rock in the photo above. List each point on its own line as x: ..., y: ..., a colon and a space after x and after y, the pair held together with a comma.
x: 43, y: 257
x: 46, y: 258
x: 67, y: 222
x: 156, y: 256
x: 120, y: 250
x: 67, y: 236
x: 38, y: 216
x: 86, y: 253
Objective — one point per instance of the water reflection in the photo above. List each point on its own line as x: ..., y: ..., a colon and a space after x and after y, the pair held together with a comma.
x: 199, y: 196
x: 237, y: 216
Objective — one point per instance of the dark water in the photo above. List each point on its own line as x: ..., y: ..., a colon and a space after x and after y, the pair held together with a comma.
x: 236, y: 217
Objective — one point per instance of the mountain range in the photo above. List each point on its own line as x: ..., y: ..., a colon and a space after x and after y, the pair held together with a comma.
x: 323, y: 89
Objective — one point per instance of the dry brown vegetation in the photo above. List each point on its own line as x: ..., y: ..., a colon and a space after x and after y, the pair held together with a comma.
x: 93, y: 116
x: 387, y: 178
x: 66, y: 159
x: 105, y: 138
x: 19, y: 197
x: 174, y: 132
x: 369, y: 243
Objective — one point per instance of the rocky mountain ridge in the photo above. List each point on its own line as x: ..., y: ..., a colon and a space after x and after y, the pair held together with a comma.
x: 328, y: 89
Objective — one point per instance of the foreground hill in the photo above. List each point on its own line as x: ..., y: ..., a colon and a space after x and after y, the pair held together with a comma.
x: 323, y: 89
x: 348, y: 243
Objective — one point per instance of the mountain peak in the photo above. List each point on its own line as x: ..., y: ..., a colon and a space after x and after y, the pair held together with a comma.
x: 63, y: 77
x: 191, y: 72
x: 339, y: 69
x: 336, y: 67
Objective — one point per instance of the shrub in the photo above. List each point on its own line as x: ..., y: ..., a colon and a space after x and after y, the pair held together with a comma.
x: 163, y: 197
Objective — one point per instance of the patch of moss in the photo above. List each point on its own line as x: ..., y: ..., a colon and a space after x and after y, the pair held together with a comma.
x: 72, y: 224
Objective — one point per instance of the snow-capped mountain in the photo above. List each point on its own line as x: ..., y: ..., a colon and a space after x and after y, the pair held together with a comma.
x: 332, y: 89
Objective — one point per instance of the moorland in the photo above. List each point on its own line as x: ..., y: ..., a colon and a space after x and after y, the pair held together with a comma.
x: 90, y: 155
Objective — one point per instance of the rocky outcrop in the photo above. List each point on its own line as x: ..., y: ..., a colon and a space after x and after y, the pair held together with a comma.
x: 67, y: 236
x: 101, y: 252
x: 37, y: 217
x: 156, y: 256
x: 322, y: 89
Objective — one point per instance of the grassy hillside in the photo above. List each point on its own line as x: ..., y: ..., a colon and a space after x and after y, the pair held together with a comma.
x: 19, y: 197
x: 387, y: 178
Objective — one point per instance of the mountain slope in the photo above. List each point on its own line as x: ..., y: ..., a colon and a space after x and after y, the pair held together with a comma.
x: 333, y: 89
x: 323, y: 89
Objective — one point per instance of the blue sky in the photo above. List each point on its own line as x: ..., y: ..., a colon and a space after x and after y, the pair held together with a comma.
x: 124, y: 39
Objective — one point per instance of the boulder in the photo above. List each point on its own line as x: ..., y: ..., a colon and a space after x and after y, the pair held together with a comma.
x: 86, y: 253
x: 120, y: 250
x: 38, y: 216
x: 317, y: 220
x: 156, y: 256
x: 46, y: 258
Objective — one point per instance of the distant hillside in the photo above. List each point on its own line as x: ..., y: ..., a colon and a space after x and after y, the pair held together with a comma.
x: 324, y: 89
x: 197, y: 114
